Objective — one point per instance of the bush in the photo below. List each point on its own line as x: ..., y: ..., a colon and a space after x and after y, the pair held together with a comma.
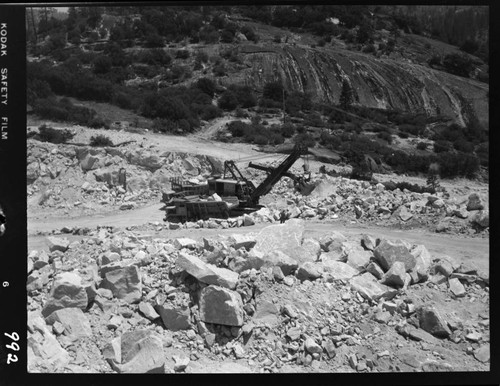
x: 49, y: 134
x: 182, y: 54
x: 385, y: 136
x: 306, y: 139
x: 202, y: 57
x: 228, y: 100
x: 97, y: 123
x: 100, y: 141
x: 219, y: 69
x: 207, y: 86
x: 422, y: 146
x: 441, y: 146
x: 102, y: 65
x: 458, y: 64
x: 287, y: 130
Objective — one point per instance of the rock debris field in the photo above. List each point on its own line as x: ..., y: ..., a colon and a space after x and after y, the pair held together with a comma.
x: 272, y: 299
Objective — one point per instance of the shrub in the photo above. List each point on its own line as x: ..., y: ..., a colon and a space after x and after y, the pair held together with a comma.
x: 207, y: 86
x: 287, y: 130
x: 49, y: 134
x: 182, y: 54
x: 240, y: 113
x: 463, y: 145
x: 385, y: 136
x: 219, y: 70
x: 306, y: 139
x: 100, y: 141
x: 458, y: 64
x: 441, y: 146
x: 228, y: 100
x: 422, y: 146
x: 202, y: 57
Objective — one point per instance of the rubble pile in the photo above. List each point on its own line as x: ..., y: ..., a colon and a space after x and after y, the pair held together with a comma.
x: 339, y: 197
x: 70, y: 177
x: 269, y: 301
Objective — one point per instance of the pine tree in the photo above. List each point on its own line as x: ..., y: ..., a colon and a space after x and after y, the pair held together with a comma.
x: 346, y: 95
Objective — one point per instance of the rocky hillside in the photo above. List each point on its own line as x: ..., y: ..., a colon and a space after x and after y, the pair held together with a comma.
x: 376, y: 82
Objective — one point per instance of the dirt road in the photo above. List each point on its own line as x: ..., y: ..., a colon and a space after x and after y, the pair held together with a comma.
x: 458, y: 247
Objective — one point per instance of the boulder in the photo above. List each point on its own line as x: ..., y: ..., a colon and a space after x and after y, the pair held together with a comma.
x: 475, y: 202
x: 423, y: 262
x: 481, y: 218
x: 395, y: 276
x: 368, y: 287
x: 404, y: 214
x: 432, y: 321
x: 43, y: 346
x: 125, y: 283
x: 328, y: 239
x: 248, y: 220
x: 67, y: 291
x: 357, y: 257
x: 139, y: 351
x: 482, y: 354
x: 456, y: 287
x: 281, y: 260
x: 309, y: 271
x: 388, y: 252
x: 74, y: 321
x: 337, y: 270
x: 175, y: 318
x: 148, y: 311
x: 90, y: 162
x: 285, y: 237
x: 312, y: 347
x: 184, y: 242
x: 221, y: 306
x: 207, y: 273
x: 57, y: 244
x: 369, y: 242
x: 312, y: 247
x: 266, y: 313
x: 238, y: 241
x: 375, y: 270
x: 253, y: 260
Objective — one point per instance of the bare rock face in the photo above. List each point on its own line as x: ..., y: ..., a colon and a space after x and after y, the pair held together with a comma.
x: 74, y: 321
x: 67, y: 291
x: 139, y: 351
x: 125, y: 283
x: 388, y: 252
x: 207, y: 273
x: 432, y: 321
x: 221, y: 306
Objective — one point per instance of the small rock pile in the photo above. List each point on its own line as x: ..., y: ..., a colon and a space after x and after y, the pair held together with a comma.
x: 274, y: 300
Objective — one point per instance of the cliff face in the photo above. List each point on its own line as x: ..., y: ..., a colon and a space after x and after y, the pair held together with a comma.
x: 379, y: 83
